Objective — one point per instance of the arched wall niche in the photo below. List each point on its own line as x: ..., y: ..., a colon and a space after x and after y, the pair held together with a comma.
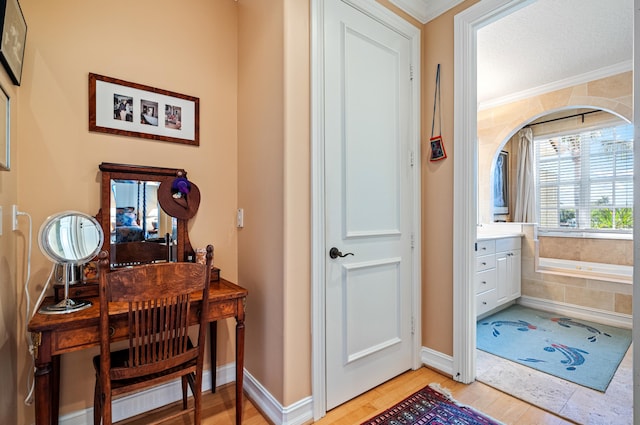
x: 497, y: 125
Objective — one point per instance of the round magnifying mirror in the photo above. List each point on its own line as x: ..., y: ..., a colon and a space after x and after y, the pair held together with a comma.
x: 69, y: 238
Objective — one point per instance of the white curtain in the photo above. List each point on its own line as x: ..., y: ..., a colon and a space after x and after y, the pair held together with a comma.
x: 525, y: 208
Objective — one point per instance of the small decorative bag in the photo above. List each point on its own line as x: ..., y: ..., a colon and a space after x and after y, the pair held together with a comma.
x: 437, y: 145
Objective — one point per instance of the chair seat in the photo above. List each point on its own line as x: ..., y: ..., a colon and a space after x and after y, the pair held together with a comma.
x: 120, y: 359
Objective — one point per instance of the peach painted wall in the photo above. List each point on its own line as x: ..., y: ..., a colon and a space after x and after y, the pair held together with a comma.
x: 10, y: 242
x: 437, y: 187
x: 190, y: 50
x: 261, y: 148
x: 297, y: 203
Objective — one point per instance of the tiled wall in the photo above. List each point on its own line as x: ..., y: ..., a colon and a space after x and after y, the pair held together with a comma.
x: 598, y: 294
x: 496, y: 125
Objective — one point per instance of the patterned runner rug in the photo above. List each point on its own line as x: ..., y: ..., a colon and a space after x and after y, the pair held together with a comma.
x: 579, y: 351
x: 431, y: 405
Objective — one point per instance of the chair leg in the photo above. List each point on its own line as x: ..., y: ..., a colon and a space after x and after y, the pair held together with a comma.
x: 197, y: 397
x: 184, y: 392
x: 106, y: 409
x: 97, y: 410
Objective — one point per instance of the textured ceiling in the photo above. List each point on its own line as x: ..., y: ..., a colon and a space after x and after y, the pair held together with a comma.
x: 550, y: 41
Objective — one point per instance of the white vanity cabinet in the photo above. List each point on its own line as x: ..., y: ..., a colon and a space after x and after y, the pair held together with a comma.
x: 498, y: 269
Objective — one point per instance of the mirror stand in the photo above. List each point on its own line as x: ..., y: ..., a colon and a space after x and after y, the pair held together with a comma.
x: 67, y: 305
x: 69, y: 238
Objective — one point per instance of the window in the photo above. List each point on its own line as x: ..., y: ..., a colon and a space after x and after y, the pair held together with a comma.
x: 585, y: 180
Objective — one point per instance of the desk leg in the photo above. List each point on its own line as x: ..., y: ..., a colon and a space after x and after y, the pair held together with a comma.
x: 44, y: 381
x: 239, y: 366
x: 55, y: 389
x: 213, y: 345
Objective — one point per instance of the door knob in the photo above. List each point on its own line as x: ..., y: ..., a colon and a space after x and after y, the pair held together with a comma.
x: 335, y: 253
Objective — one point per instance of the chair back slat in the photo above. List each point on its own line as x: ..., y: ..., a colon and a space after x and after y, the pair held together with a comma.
x: 159, y: 329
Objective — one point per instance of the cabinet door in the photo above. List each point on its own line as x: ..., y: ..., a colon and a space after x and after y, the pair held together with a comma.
x: 503, y: 277
x: 515, y: 264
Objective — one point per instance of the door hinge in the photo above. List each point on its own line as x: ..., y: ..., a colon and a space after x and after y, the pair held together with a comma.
x: 413, y: 325
x: 411, y: 158
x: 412, y: 241
x: 411, y: 72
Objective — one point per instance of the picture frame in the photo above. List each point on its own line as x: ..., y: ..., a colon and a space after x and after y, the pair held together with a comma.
x: 501, y: 184
x: 12, y: 39
x: 90, y: 271
x: 5, y: 130
x: 437, y: 149
x: 136, y: 110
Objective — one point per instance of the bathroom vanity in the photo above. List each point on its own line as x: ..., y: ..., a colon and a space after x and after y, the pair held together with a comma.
x: 498, y: 271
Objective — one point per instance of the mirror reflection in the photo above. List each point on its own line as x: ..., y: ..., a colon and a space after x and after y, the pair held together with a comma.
x: 135, y: 213
x: 70, y: 237
x: 141, y: 232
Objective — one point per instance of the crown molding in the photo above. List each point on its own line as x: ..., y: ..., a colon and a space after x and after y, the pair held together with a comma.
x: 597, y: 74
x: 425, y: 10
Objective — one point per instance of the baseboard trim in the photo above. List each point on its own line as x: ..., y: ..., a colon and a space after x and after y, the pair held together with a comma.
x: 437, y: 360
x: 578, y: 312
x: 294, y: 414
x: 129, y: 406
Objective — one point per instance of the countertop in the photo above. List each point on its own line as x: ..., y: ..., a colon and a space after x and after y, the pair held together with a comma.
x: 489, y: 236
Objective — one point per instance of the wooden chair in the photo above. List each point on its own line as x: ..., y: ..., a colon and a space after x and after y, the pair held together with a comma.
x: 156, y: 299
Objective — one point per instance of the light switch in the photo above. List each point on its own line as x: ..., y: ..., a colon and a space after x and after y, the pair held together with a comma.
x: 240, y: 218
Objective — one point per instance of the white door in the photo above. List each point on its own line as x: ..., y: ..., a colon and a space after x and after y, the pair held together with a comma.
x: 368, y: 202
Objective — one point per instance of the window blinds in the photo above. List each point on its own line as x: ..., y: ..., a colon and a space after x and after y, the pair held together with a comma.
x: 585, y: 180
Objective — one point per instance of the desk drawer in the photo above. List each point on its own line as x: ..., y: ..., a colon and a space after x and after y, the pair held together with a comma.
x: 78, y: 290
x: 485, y: 262
x: 485, y: 280
x: 74, y: 339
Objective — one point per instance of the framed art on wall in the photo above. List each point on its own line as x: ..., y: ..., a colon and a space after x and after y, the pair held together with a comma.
x: 131, y: 109
x: 5, y: 133
x: 501, y: 184
x: 14, y: 37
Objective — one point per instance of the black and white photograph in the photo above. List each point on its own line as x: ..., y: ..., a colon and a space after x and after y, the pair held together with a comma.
x: 122, y: 108
x: 149, y: 114
x: 135, y: 110
x: 172, y: 117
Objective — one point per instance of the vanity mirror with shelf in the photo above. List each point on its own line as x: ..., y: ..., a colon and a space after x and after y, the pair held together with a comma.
x: 132, y: 217
x: 136, y: 229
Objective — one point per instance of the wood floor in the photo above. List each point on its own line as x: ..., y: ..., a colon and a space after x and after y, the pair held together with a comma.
x: 219, y: 408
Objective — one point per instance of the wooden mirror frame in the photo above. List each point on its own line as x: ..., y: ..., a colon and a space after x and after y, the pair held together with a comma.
x: 111, y: 171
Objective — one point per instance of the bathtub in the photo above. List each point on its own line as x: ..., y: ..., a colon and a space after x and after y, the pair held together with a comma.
x: 585, y: 269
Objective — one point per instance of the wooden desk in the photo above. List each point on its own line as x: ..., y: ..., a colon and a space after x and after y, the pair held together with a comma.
x: 54, y: 335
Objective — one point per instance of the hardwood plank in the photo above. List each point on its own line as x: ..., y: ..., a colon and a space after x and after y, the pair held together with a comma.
x: 219, y: 408
x: 486, y: 399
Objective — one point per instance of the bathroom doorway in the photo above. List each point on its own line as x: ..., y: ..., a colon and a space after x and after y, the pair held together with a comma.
x: 467, y: 24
